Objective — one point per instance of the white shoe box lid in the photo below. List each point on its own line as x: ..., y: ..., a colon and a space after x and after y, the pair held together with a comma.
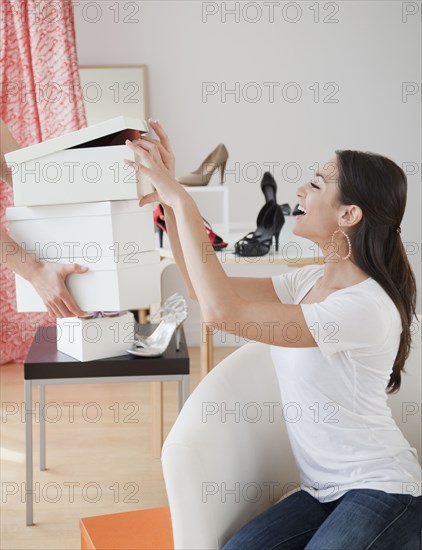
x: 80, y: 166
x: 99, y: 338
x: 110, y: 228
x: 131, y: 281
x: 79, y: 137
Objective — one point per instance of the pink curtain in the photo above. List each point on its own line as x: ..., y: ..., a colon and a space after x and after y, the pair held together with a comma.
x: 41, y: 98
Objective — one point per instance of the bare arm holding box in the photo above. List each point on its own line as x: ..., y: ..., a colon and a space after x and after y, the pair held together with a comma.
x: 48, y: 279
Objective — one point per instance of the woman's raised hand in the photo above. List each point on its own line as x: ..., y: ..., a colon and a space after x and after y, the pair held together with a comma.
x: 158, y: 164
x: 163, y: 144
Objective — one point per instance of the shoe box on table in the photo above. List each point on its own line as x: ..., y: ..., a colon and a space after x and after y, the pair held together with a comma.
x: 82, y: 166
x: 95, y: 224
x: 98, y: 338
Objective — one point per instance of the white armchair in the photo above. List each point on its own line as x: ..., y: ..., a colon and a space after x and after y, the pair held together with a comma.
x: 228, y: 457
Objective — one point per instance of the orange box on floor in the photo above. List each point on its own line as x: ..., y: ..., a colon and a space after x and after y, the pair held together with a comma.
x: 148, y: 529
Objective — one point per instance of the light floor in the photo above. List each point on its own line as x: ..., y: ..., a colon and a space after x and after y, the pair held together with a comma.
x: 99, y: 455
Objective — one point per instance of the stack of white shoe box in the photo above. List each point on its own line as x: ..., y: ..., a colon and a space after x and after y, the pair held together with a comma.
x: 77, y: 202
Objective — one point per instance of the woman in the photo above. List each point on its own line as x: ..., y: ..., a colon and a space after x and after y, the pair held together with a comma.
x: 47, y: 278
x: 339, y: 335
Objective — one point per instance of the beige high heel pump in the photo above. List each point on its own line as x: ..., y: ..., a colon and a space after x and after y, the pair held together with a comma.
x: 202, y: 175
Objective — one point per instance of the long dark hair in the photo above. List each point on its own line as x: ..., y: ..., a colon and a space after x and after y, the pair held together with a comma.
x: 379, y: 187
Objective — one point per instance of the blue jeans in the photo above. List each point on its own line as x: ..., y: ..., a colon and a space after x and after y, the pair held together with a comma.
x: 361, y: 519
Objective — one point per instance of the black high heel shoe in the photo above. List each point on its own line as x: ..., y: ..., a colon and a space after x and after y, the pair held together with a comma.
x: 286, y: 209
x: 269, y: 188
x: 259, y: 226
x: 259, y: 245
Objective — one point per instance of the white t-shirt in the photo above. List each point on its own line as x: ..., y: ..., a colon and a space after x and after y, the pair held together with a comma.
x: 340, y: 426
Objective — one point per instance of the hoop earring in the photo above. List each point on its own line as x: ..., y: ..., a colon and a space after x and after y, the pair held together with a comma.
x: 348, y: 242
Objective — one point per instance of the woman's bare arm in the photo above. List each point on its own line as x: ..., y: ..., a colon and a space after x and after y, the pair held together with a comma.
x: 176, y: 249
x: 255, y: 288
x: 7, y: 145
x: 48, y: 279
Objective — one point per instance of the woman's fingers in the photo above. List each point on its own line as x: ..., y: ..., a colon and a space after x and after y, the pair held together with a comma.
x: 50, y: 285
x: 158, y: 129
x: 150, y: 198
x: 53, y: 306
x: 143, y: 141
x: 52, y: 310
x: 64, y: 301
x: 149, y: 145
x: 161, y: 149
x: 156, y: 150
x: 71, y: 306
x: 63, y: 311
x: 138, y: 167
x: 133, y: 164
x: 167, y: 152
x: 143, y: 152
x: 145, y: 138
x: 153, y: 141
x: 136, y: 146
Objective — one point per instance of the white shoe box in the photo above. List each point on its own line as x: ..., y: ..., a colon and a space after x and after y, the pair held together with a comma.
x: 82, y: 166
x: 131, y: 281
x: 91, y: 339
x: 100, y: 229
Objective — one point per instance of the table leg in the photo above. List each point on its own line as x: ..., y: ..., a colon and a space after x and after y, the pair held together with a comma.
x: 183, y: 390
x: 41, y: 390
x: 207, y: 352
x: 143, y: 315
x: 157, y: 418
x: 29, y: 489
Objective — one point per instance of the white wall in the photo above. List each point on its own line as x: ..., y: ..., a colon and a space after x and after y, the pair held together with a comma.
x: 369, y: 54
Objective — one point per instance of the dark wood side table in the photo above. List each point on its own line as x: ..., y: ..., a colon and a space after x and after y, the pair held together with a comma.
x: 45, y: 365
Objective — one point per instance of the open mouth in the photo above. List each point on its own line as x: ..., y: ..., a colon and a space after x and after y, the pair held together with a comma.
x: 300, y: 211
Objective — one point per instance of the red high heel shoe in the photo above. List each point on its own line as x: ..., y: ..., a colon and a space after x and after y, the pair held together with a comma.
x: 160, y: 221
x: 216, y: 241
